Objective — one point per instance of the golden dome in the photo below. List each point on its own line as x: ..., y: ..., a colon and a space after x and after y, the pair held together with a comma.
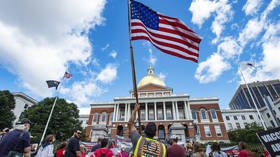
x: 150, y: 78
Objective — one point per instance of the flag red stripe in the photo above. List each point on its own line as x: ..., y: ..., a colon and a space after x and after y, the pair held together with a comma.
x: 183, y: 35
x: 174, y: 22
x: 165, y: 37
x: 171, y: 45
x: 166, y: 51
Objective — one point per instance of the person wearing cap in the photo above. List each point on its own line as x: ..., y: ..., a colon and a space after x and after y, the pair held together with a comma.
x: 145, y: 146
x: 175, y: 149
x: 17, y: 141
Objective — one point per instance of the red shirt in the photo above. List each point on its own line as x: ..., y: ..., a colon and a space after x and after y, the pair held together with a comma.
x: 246, y: 153
x: 60, y: 153
x: 176, y: 151
x: 106, y: 151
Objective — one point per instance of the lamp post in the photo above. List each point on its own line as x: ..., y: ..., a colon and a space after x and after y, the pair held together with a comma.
x: 262, y: 121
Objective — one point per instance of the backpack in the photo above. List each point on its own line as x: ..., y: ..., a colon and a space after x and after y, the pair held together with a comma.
x: 14, y: 152
x: 150, y: 148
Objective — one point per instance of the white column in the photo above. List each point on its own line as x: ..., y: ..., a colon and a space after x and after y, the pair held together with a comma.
x: 173, y: 111
x: 186, y: 110
x: 114, y: 114
x: 177, y: 111
x: 117, y: 112
x: 164, y: 111
x: 155, y: 110
x: 129, y: 111
x: 190, y: 112
x: 125, y: 113
x: 146, y: 111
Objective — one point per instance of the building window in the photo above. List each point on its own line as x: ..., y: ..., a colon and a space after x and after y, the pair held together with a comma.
x: 274, y: 112
x: 151, y: 111
x: 181, y: 109
x: 279, y: 108
x: 268, y: 115
x: 95, y: 117
x: 142, y: 111
x: 111, y: 117
x: 235, y: 118
x: 218, y: 130
x: 272, y: 123
x: 238, y: 126
x: 227, y: 117
x: 193, y: 114
x: 169, y: 111
x: 122, y: 112
x: 207, y: 131
x: 251, y: 117
x: 103, y: 117
x: 159, y: 111
x: 243, y: 117
x: 213, y: 113
x: 245, y: 124
x: 203, y: 114
x: 229, y: 126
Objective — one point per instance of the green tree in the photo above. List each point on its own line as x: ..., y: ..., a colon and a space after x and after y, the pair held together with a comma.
x: 63, y: 122
x: 248, y: 134
x: 7, y: 104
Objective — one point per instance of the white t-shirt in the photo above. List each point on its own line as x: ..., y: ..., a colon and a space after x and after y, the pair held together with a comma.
x: 217, y: 154
x: 45, y: 152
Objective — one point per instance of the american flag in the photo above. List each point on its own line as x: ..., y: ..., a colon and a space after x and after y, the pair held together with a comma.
x: 168, y: 34
x: 67, y: 75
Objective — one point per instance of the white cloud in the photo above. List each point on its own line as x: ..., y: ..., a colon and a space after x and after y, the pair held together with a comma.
x: 114, y: 54
x: 211, y: 69
x: 84, y: 110
x: 152, y: 58
x: 162, y: 76
x: 82, y: 92
x: 39, y: 38
x: 252, y: 29
x: 229, y: 48
x: 251, y: 7
x: 224, y: 14
x: 105, y: 47
x: 201, y: 10
x: 108, y: 74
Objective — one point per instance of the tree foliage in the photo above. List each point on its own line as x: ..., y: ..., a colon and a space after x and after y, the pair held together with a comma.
x: 248, y: 134
x: 7, y: 104
x: 63, y: 122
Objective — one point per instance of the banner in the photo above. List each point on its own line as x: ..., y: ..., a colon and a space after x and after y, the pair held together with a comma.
x: 271, y: 140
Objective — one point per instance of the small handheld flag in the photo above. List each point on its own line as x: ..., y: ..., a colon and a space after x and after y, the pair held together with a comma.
x: 53, y: 83
x: 168, y: 34
x: 67, y: 75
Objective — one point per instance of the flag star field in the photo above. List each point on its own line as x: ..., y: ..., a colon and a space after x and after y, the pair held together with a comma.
x: 196, y: 46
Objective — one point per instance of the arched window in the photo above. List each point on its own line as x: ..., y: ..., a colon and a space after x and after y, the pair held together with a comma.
x: 203, y: 113
x: 95, y: 117
x: 213, y: 113
x: 103, y: 117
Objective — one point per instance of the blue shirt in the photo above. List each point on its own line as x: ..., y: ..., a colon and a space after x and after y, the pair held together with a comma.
x: 15, y: 140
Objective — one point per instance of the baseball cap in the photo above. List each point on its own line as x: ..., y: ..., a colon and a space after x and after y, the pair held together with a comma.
x: 24, y: 121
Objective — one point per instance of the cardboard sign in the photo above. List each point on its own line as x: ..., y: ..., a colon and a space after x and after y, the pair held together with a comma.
x: 271, y: 140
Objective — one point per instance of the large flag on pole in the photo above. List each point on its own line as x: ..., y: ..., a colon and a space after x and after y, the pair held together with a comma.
x: 53, y: 83
x: 168, y: 34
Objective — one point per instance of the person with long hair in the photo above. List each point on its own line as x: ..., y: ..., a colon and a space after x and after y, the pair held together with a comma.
x: 216, y: 151
x: 61, y: 149
x: 197, y: 150
x: 46, y: 149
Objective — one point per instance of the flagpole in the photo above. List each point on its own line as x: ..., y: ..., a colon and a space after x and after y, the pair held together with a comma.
x: 262, y: 121
x: 54, y: 103
x: 133, y: 67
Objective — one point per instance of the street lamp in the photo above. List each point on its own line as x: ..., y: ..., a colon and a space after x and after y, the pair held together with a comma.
x: 251, y: 65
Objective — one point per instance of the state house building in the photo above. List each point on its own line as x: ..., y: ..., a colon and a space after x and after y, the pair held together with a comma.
x: 188, y: 118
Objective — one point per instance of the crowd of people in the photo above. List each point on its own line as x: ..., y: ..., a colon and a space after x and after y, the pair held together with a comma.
x: 16, y: 143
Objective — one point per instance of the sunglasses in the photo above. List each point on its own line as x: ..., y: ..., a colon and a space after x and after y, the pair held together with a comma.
x: 79, y: 133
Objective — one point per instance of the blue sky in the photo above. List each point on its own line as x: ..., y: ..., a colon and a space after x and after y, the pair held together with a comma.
x: 42, y: 40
